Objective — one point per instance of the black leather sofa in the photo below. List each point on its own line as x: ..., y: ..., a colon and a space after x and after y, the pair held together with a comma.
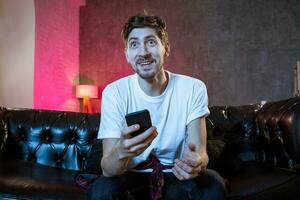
x: 256, y: 149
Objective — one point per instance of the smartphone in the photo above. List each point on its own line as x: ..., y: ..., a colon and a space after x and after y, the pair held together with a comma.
x: 141, y: 118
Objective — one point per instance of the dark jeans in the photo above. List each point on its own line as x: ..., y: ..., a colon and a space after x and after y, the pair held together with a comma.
x: 209, y: 185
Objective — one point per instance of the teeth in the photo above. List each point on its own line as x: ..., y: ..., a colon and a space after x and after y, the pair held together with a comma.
x: 145, y: 63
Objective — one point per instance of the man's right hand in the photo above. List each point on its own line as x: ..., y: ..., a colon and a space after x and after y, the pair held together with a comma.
x: 117, y: 152
x: 129, y: 146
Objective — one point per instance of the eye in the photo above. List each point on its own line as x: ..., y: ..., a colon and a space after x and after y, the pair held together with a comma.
x: 151, y: 42
x: 133, y: 44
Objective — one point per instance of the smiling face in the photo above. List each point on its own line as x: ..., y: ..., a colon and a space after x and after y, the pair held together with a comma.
x: 145, y: 52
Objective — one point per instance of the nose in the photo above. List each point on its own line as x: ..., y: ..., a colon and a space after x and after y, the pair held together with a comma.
x: 144, y: 50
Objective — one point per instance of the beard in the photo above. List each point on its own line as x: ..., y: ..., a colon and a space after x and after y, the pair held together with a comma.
x: 148, y: 74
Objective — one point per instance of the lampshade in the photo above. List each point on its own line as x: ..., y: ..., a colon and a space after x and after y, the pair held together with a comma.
x: 90, y: 91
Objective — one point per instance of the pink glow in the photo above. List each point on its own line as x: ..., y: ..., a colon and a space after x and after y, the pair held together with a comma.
x: 56, y: 54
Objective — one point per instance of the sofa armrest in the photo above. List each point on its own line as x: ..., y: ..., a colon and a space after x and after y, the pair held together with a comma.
x: 279, y: 132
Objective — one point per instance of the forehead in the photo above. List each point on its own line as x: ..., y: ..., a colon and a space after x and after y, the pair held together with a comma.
x: 141, y: 33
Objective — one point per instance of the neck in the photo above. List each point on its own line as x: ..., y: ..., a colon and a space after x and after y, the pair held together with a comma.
x: 156, y: 85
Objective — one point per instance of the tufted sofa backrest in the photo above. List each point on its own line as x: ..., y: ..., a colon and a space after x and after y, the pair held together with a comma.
x: 53, y: 138
x: 231, y: 137
x: 243, y: 134
x: 236, y: 136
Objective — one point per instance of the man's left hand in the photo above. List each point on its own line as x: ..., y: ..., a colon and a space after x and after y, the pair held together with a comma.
x: 190, y: 165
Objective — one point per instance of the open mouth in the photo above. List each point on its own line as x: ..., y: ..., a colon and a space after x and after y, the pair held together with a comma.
x: 145, y: 62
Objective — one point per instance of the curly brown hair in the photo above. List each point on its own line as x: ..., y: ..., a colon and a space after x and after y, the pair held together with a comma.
x: 145, y: 20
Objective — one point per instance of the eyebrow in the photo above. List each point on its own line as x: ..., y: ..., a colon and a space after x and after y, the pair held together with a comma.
x: 136, y: 38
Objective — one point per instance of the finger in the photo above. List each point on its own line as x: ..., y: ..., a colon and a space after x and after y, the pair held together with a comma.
x: 198, y: 169
x: 125, y: 152
x: 192, y: 161
x: 177, y: 174
x: 127, y: 130
x: 140, y: 147
x: 182, y: 173
x: 145, y: 144
x: 184, y: 166
x: 143, y: 136
x: 187, y: 168
x: 149, y: 133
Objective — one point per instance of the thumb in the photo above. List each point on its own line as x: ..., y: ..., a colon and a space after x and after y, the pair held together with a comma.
x: 192, y: 147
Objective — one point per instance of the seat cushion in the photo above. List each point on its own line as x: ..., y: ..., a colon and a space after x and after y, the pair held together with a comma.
x: 258, y: 181
x: 26, y: 180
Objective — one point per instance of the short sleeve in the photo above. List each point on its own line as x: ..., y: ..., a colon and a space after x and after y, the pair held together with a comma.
x: 199, y: 102
x: 111, y: 122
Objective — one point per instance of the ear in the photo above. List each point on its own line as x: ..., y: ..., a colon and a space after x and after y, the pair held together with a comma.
x: 126, y: 54
x: 167, y: 49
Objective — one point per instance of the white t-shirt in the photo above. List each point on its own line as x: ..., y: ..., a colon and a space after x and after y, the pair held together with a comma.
x: 184, y: 99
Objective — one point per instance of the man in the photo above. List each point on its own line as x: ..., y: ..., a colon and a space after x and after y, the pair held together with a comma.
x: 167, y: 161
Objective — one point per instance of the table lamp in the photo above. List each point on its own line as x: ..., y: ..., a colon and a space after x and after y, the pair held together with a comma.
x: 86, y: 92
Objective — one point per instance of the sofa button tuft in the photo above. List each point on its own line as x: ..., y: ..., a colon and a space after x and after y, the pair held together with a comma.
x: 219, y: 133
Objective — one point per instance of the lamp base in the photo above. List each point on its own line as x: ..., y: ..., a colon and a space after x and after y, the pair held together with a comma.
x: 87, y: 108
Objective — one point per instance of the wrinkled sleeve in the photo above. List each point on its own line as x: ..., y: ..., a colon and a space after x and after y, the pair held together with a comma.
x: 198, y: 103
x: 111, y: 122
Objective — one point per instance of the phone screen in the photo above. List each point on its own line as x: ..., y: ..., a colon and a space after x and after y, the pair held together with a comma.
x: 141, y: 118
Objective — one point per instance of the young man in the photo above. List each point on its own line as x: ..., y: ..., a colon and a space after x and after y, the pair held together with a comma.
x: 167, y: 161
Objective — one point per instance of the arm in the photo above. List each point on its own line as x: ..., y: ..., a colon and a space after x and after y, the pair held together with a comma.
x: 197, y: 135
x: 118, y: 152
x: 195, y: 157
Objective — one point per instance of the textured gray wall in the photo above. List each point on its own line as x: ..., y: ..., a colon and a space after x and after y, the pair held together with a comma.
x: 244, y: 50
x: 251, y: 46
